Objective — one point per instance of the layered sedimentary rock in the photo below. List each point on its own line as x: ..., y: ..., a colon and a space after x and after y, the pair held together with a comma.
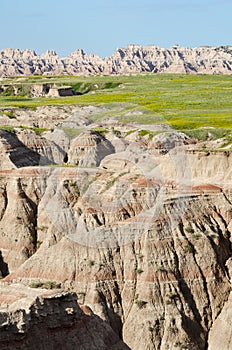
x: 131, y: 59
x: 39, y: 319
x: 89, y: 148
x: 48, y: 150
x: 50, y: 117
x: 220, y: 334
x: 141, y: 232
x: 14, y: 153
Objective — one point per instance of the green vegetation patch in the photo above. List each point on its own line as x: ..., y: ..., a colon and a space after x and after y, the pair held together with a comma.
x: 185, y: 102
x: 148, y: 133
x: 204, y: 134
x: 8, y: 128
x: 45, y: 285
x: 38, y: 131
x: 9, y: 114
x: 101, y: 131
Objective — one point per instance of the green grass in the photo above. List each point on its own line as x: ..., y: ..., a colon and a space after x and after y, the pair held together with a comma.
x: 101, y: 131
x: 214, y: 134
x: 148, y: 133
x: 185, y: 102
x: 9, y: 128
x: 10, y: 115
x: 38, y: 131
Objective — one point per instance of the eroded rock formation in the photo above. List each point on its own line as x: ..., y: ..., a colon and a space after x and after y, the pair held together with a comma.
x: 88, y: 149
x: 38, y: 319
x: 142, y: 235
x: 131, y: 59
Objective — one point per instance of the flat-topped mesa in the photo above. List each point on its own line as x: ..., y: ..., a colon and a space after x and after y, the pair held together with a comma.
x: 132, y: 58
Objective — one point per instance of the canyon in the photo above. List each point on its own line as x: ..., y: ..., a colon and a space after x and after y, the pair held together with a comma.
x: 113, y: 238
x: 128, y: 60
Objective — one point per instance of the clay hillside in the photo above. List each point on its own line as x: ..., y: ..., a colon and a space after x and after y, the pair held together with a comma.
x: 131, y: 59
x: 116, y: 202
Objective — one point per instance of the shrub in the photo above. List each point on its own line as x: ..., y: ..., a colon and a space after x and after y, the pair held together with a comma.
x: 45, y: 285
x: 196, y: 236
x: 40, y: 228
x: 172, y: 330
x: 117, y: 133
x: 139, y: 271
x: 189, y: 229
x: 140, y: 303
x: 38, y: 244
x: 188, y: 248
x: 90, y: 263
x: 171, y: 298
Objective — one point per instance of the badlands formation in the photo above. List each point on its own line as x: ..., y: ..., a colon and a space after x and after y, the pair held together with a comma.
x: 114, y: 239
x: 131, y: 59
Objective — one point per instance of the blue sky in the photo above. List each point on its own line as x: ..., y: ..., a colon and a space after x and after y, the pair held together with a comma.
x: 102, y: 26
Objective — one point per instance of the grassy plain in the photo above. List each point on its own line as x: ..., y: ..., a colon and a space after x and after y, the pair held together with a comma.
x: 185, y: 102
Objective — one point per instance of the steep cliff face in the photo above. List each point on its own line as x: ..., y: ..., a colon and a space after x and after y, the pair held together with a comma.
x: 38, y: 319
x: 220, y: 334
x: 169, y: 286
x: 14, y: 154
x: 48, y: 150
x: 143, y: 237
x: 131, y: 59
x: 158, y: 285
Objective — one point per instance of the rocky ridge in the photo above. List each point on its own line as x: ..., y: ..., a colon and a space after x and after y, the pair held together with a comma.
x: 141, y: 232
x: 38, y: 319
x: 131, y: 59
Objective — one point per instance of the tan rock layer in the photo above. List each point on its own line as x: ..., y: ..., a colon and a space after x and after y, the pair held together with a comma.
x: 35, y: 319
x: 168, y: 286
x: 144, y: 239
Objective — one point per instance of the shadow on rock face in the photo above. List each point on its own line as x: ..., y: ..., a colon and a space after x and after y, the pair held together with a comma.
x: 19, y: 154
x: 3, y: 267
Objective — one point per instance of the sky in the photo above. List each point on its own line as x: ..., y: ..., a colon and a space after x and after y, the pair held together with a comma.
x: 102, y: 26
